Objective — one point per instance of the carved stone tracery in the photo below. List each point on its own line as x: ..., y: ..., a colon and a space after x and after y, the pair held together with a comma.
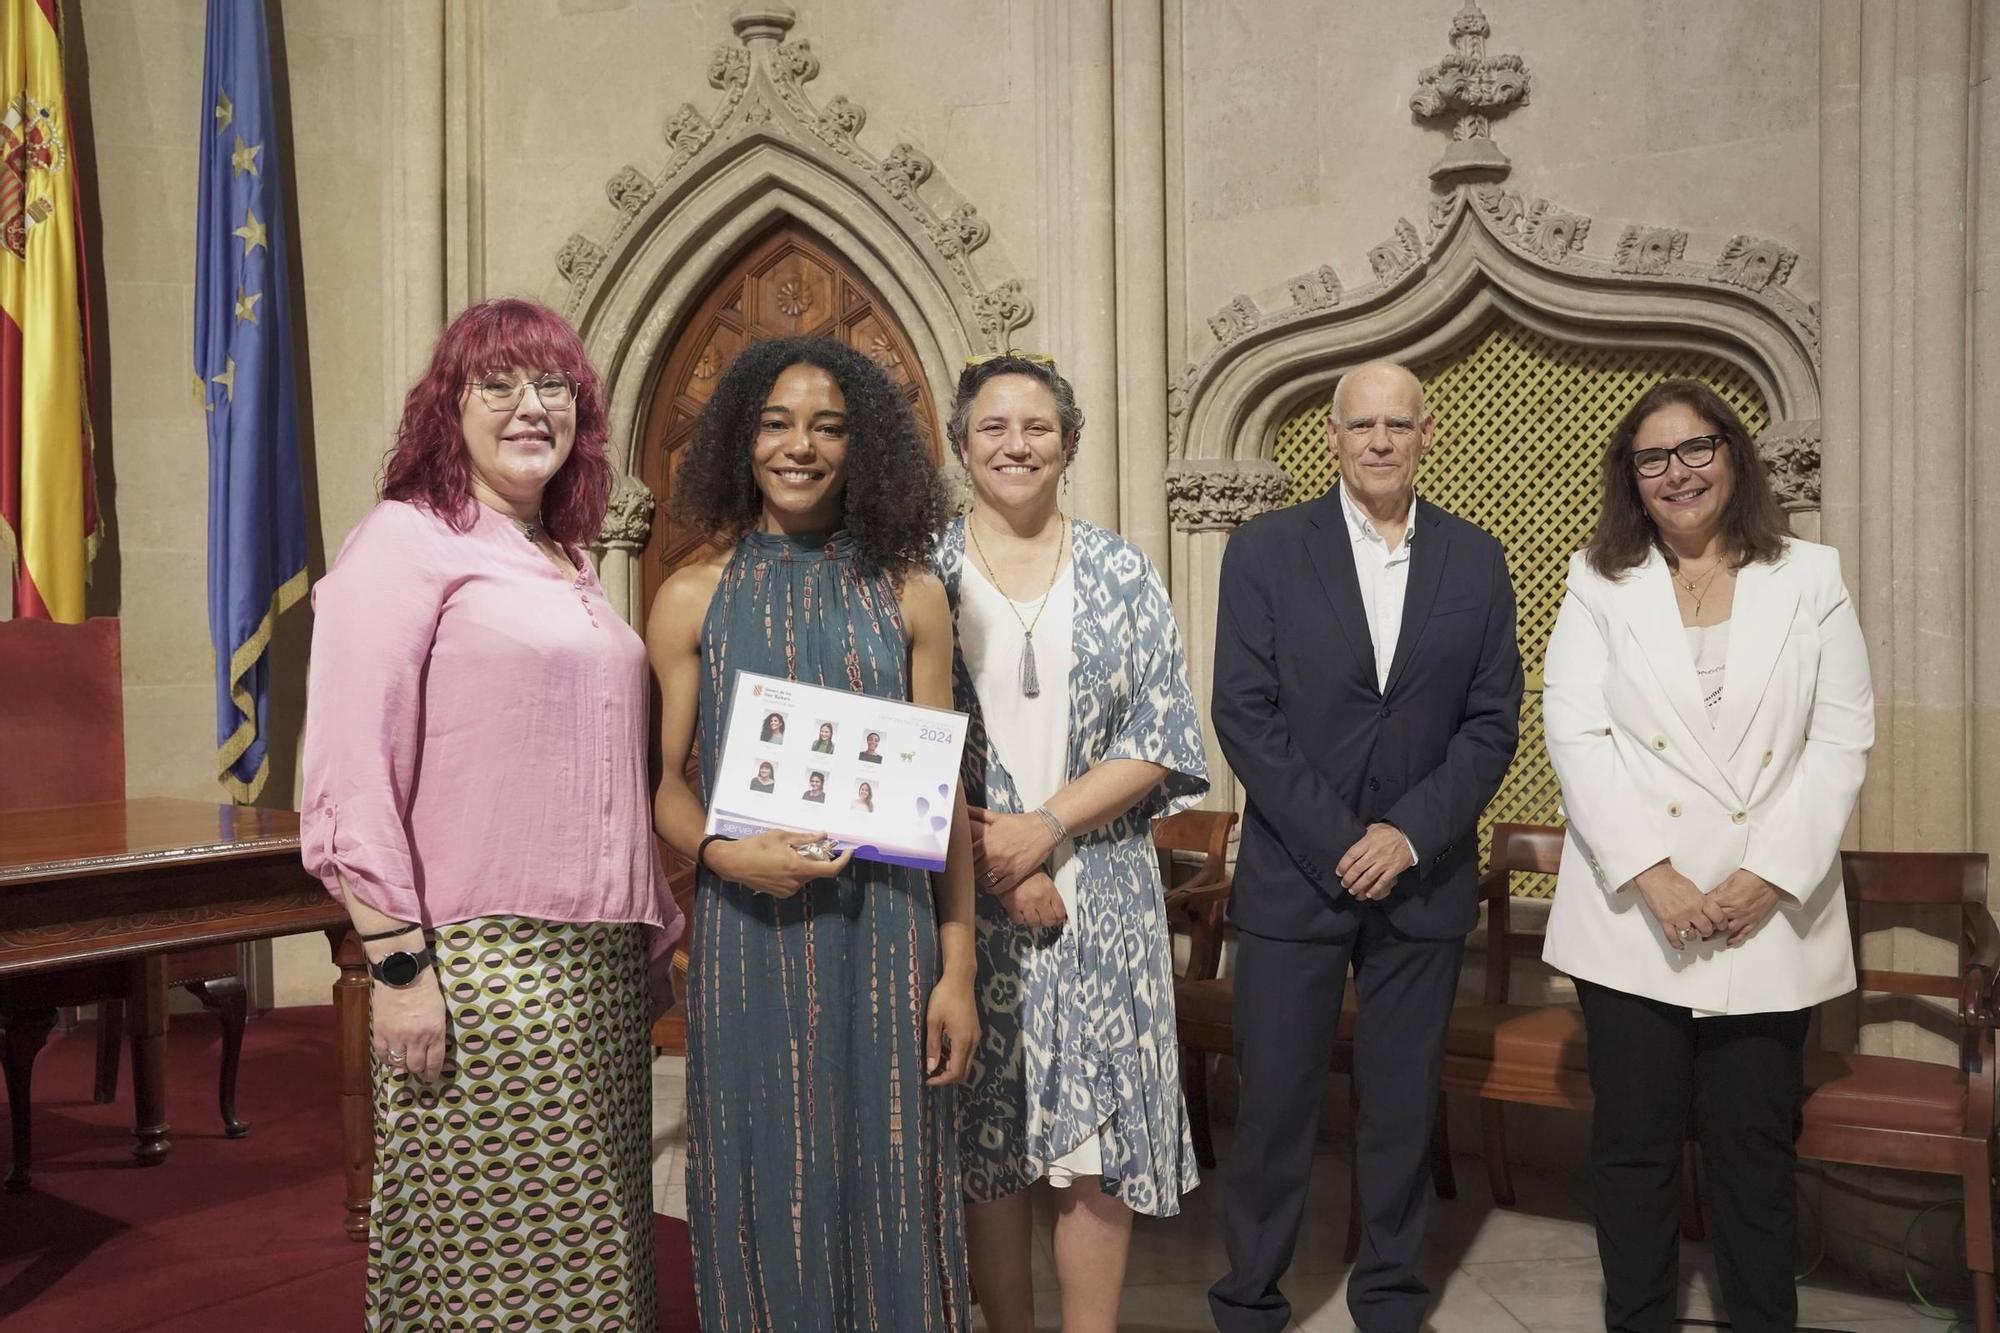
x: 1220, y: 498
x: 762, y: 76
x: 1537, y: 236
x: 820, y: 164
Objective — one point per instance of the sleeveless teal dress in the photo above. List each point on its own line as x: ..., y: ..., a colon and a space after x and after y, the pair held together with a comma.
x: 822, y: 1181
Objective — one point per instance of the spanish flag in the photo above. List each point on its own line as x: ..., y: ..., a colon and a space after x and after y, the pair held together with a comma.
x: 48, y: 498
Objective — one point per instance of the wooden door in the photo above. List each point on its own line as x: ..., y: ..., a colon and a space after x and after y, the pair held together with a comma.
x: 786, y: 282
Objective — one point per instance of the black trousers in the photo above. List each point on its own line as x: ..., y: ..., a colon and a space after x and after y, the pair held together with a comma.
x: 1288, y: 995
x: 1742, y: 1077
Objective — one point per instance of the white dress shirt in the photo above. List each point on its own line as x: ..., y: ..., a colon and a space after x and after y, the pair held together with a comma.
x: 1384, y: 575
x: 1385, y: 580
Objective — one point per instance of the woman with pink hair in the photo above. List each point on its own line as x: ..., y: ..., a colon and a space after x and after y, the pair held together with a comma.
x: 476, y: 793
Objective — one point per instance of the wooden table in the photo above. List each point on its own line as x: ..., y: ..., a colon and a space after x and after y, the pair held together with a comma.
x: 128, y: 881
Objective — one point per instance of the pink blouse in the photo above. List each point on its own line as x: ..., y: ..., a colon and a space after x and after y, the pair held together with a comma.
x: 476, y: 742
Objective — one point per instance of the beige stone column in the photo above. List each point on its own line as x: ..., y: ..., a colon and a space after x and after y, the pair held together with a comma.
x: 1902, y: 482
x: 1895, y: 81
x: 1984, y: 492
x: 1078, y: 293
x: 464, y: 148
x: 1140, y: 125
x: 413, y: 239
x: 1207, y: 499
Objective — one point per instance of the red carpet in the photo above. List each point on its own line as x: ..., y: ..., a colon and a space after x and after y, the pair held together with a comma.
x: 225, y: 1236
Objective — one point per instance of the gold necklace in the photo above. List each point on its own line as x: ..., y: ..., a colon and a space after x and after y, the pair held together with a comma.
x: 1699, y: 592
x: 1031, y: 680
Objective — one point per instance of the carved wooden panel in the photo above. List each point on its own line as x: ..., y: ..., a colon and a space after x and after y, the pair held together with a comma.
x: 787, y: 282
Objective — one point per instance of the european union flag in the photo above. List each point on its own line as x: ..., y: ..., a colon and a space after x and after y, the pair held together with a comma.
x: 244, y: 378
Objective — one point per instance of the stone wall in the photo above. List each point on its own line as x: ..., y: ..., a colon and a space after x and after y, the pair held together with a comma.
x: 1138, y: 165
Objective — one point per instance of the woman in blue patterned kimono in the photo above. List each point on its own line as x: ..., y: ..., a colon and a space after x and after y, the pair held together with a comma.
x: 829, y: 1003
x: 1083, y: 732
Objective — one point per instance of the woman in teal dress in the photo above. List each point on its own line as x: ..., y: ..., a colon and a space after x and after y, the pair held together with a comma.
x: 830, y: 1004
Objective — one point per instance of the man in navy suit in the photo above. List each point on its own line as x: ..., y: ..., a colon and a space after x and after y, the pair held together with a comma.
x: 1367, y: 695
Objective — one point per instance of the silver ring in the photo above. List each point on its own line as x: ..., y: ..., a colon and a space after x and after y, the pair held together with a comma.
x: 1685, y: 932
x: 396, y: 1057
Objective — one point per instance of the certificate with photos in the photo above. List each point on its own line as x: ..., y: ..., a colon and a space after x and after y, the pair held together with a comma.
x: 878, y: 775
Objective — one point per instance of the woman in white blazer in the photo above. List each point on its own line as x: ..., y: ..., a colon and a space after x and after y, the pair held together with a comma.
x: 1708, y: 711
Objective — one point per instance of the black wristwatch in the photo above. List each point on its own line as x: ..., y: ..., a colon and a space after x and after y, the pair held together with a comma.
x: 401, y: 969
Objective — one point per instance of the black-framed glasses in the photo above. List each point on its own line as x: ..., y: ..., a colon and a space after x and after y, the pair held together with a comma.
x: 503, y: 392
x: 1698, y: 452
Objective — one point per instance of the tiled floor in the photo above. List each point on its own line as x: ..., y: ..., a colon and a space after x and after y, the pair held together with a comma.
x: 1491, y: 1270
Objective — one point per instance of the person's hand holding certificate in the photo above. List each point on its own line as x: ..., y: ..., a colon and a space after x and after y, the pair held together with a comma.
x: 877, y: 775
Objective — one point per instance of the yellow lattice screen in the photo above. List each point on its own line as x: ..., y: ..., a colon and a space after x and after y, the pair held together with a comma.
x: 1522, y: 418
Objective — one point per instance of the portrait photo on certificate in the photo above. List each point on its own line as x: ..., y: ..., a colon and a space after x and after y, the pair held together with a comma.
x: 876, y: 775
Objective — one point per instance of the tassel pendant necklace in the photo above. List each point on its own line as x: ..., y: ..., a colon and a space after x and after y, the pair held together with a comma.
x: 1031, y: 678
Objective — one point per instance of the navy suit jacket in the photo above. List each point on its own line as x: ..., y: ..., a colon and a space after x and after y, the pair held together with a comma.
x: 1322, y: 752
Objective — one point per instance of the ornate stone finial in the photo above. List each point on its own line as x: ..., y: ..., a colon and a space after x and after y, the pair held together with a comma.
x: 1002, y: 310
x: 1471, y: 85
x: 1753, y: 263
x: 1790, y: 449
x: 1398, y: 255
x: 904, y: 169
x: 687, y: 130
x: 630, y: 190
x: 844, y: 116
x: 1236, y: 320
x: 1651, y: 250
x: 1317, y: 290
x: 579, y: 259
x: 628, y: 520
x: 962, y: 231
x: 763, y: 23
x: 728, y: 67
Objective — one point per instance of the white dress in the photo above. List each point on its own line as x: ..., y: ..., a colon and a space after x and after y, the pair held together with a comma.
x: 1030, y: 736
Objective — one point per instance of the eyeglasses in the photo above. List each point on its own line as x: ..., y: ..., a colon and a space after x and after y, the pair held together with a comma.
x: 1039, y: 358
x: 503, y: 393
x: 1696, y: 453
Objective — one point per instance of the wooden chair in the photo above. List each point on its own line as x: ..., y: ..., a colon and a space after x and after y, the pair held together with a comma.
x: 1915, y: 1115
x: 62, y: 722
x: 1205, y: 1004
x: 1501, y: 1052
x: 1195, y: 903
x: 1867, y: 1110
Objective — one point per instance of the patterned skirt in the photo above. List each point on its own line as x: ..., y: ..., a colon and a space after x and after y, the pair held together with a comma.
x: 517, y: 1193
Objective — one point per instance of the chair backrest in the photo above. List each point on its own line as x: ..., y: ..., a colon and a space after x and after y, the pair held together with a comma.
x: 62, y: 714
x: 1914, y: 878
x: 1516, y: 847
x: 1196, y: 901
x: 1202, y: 831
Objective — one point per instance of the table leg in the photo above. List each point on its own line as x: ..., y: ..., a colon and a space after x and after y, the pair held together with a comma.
x: 146, y: 1015
x: 357, y: 1095
x: 21, y: 1036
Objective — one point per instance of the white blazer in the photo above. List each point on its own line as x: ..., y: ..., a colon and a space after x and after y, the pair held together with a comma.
x: 1768, y: 787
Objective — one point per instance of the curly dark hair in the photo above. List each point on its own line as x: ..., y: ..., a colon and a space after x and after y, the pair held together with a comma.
x: 893, y: 499
x: 1754, y: 525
